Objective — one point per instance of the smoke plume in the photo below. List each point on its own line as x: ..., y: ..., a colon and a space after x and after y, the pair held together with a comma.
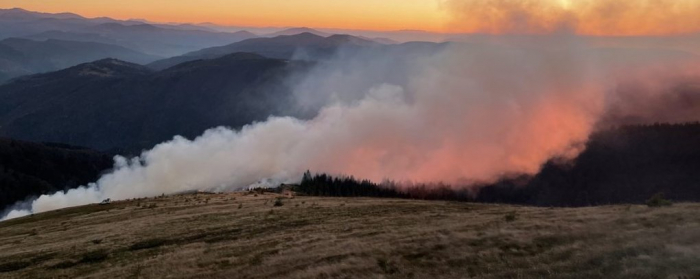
x: 591, y: 17
x: 459, y: 114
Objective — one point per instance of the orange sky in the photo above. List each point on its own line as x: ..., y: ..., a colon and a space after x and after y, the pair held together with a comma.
x: 599, y: 17
x: 347, y: 14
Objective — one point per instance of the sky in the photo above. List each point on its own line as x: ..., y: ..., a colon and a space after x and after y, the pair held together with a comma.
x: 592, y: 17
x: 346, y: 14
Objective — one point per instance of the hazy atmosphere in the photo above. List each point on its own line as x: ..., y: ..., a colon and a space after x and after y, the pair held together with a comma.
x: 535, y: 104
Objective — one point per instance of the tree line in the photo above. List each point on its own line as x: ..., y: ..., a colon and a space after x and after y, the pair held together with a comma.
x: 626, y: 164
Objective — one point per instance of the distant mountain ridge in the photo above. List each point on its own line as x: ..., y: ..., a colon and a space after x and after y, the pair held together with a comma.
x: 297, y: 31
x: 120, y: 107
x: 22, y: 14
x: 281, y: 47
x: 155, y: 39
x: 152, y: 39
x: 23, y: 57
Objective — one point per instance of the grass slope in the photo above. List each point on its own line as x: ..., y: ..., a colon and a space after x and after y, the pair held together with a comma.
x: 251, y: 236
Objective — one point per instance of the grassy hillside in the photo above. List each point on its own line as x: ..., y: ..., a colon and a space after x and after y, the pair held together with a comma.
x: 251, y: 236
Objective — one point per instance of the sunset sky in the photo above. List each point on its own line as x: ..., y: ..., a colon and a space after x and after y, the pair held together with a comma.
x: 599, y: 17
x: 357, y: 14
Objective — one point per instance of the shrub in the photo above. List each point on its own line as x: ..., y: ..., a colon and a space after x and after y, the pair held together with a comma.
x: 64, y: 264
x: 278, y: 202
x: 147, y: 244
x: 386, y: 266
x: 95, y: 256
x: 13, y: 266
x: 658, y: 200
x: 511, y: 216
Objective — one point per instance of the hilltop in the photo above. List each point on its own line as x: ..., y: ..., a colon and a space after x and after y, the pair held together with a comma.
x: 245, y: 235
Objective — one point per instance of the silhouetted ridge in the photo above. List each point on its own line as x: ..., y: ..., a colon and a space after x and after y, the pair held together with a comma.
x: 161, y: 40
x: 299, y: 30
x: 115, y: 106
x: 104, y: 68
x: 231, y: 62
x: 347, y: 39
x: 243, y: 56
x: 110, y: 67
x: 23, y: 57
x: 311, y: 46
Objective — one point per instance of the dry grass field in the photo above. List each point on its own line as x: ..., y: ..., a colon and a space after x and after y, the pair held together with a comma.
x: 243, y: 235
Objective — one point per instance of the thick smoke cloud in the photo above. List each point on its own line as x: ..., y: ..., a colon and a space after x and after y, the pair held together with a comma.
x: 667, y: 93
x: 592, y: 17
x: 459, y: 114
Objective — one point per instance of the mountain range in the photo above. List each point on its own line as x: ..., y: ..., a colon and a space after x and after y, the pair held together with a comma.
x: 154, y: 39
x: 23, y: 57
x: 112, y: 105
x: 297, y: 31
x: 303, y: 46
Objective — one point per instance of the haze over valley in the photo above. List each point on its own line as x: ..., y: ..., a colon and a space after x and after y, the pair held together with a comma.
x: 559, y: 112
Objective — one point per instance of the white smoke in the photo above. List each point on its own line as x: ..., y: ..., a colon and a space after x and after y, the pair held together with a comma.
x: 466, y: 113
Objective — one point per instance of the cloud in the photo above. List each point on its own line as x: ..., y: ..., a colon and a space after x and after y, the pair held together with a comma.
x: 593, y: 17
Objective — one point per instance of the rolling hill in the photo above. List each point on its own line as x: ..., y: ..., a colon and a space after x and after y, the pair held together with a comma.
x: 154, y: 39
x: 22, y: 56
x: 19, y: 22
x: 163, y: 41
x: 304, y: 45
x: 118, y: 106
x: 297, y: 31
x: 72, y: 36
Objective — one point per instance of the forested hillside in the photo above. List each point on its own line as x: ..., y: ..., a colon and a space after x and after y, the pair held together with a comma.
x: 627, y: 164
x: 119, y: 107
x: 30, y: 169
